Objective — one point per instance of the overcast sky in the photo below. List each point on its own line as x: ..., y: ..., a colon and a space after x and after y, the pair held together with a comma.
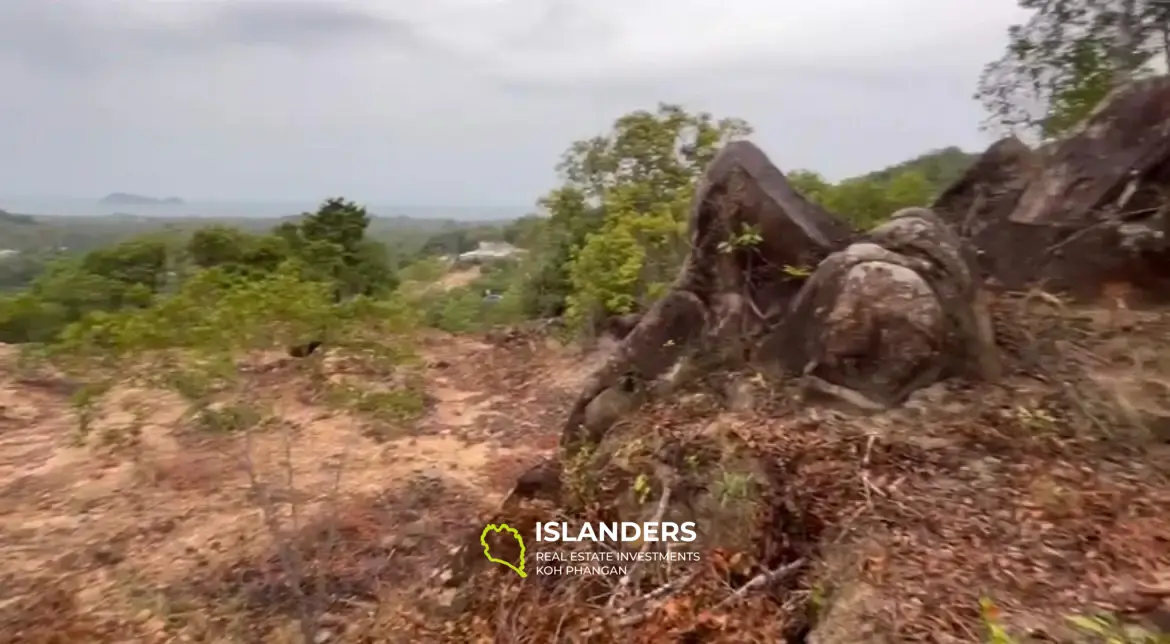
x: 461, y: 102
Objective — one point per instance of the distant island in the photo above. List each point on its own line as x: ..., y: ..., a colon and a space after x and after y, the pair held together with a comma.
x: 127, y: 199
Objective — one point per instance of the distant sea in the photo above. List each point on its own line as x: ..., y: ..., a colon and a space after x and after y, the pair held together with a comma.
x: 258, y: 209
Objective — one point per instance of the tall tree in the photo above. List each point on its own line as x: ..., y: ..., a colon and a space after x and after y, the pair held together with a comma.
x: 1066, y: 57
x: 615, y: 226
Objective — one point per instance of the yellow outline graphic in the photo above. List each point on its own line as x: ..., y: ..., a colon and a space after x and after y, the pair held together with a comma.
x: 515, y: 533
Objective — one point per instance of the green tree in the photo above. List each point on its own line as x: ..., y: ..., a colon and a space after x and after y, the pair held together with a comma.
x: 909, y: 189
x: 526, y: 231
x: 546, y: 286
x: 615, y: 228
x: 862, y: 202
x: 448, y: 242
x: 25, y: 317
x: 870, y: 199
x: 138, y: 262
x: 940, y: 168
x: 339, y: 222
x: 216, y: 246
x: 811, y: 185
x: 237, y: 251
x: 330, y: 245
x: 1066, y: 57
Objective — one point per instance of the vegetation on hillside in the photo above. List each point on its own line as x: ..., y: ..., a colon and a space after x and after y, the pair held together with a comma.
x: 609, y: 241
x: 1068, y: 56
x: 42, y: 240
x: 328, y: 247
x: 616, y: 234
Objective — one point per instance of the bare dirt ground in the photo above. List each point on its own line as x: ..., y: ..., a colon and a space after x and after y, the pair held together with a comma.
x: 1032, y: 492
x: 166, y: 538
x: 1046, y: 495
x: 458, y: 278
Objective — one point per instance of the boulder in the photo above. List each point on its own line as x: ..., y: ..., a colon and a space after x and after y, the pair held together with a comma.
x: 1082, y: 212
x: 887, y: 315
x: 877, y: 315
x: 723, y: 287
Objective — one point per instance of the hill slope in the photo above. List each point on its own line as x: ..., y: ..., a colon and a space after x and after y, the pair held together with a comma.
x: 940, y: 167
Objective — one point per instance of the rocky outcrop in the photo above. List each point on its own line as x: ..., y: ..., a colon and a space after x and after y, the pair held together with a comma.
x: 887, y: 315
x: 1082, y: 212
x: 723, y: 288
x: 873, y: 316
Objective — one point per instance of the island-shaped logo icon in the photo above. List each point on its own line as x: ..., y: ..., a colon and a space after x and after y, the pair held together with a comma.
x: 504, y: 528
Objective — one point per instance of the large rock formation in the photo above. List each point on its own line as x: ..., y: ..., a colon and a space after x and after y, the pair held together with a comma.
x: 722, y: 288
x: 876, y: 316
x: 868, y: 317
x: 872, y: 317
x: 1082, y: 212
x: 888, y: 315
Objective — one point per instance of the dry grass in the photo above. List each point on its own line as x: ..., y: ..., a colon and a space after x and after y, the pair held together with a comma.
x: 156, y: 525
x: 1047, y: 493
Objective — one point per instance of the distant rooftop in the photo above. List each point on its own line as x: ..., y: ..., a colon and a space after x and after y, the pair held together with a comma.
x: 491, y: 250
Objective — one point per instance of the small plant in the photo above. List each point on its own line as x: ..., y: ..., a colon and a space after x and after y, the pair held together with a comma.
x: 395, y: 406
x: 734, y: 487
x: 227, y: 419
x: 84, y: 403
x: 1035, y: 419
x: 818, y: 600
x: 642, y: 488
x: 990, y: 615
x: 1109, y: 630
x: 580, y: 476
x: 801, y: 272
x: 748, y: 238
x: 192, y: 384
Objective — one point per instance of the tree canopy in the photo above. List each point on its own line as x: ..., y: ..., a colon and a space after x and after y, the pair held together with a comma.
x: 607, y: 241
x: 616, y: 228
x: 326, y: 247
x: 1068, y: 56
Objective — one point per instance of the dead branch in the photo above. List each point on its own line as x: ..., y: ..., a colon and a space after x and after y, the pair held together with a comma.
x: 764, y: 579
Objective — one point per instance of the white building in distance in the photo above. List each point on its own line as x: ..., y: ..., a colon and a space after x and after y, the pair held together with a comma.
x: 491, y: 251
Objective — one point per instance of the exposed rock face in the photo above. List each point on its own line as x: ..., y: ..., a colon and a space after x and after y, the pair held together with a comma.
x: 903, y: 306
x: 721, y: 289
x: 619, y: 326
x: 1082, y: 212
x: 887, y: 315
x: 893, y: 311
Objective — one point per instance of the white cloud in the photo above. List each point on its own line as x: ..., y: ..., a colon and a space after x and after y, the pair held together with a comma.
x: 636, y: 38
x: 466, y: 101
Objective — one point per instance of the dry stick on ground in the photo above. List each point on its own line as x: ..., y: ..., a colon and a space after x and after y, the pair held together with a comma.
x: 624, y: 582
x: 763, y: 579
x: 658, y: 596
x: 866, y: 484
x: 851, y: 396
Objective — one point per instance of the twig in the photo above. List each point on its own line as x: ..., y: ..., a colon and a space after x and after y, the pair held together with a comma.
x: 764, y: 579
x: 564, y: 615
x: 291, y: 562
x: 851, y: 396
x: 668, y: 588
x: 328, y: 546
x: 624, y: 582
x: 866, y: 484
x: 658, y: 596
